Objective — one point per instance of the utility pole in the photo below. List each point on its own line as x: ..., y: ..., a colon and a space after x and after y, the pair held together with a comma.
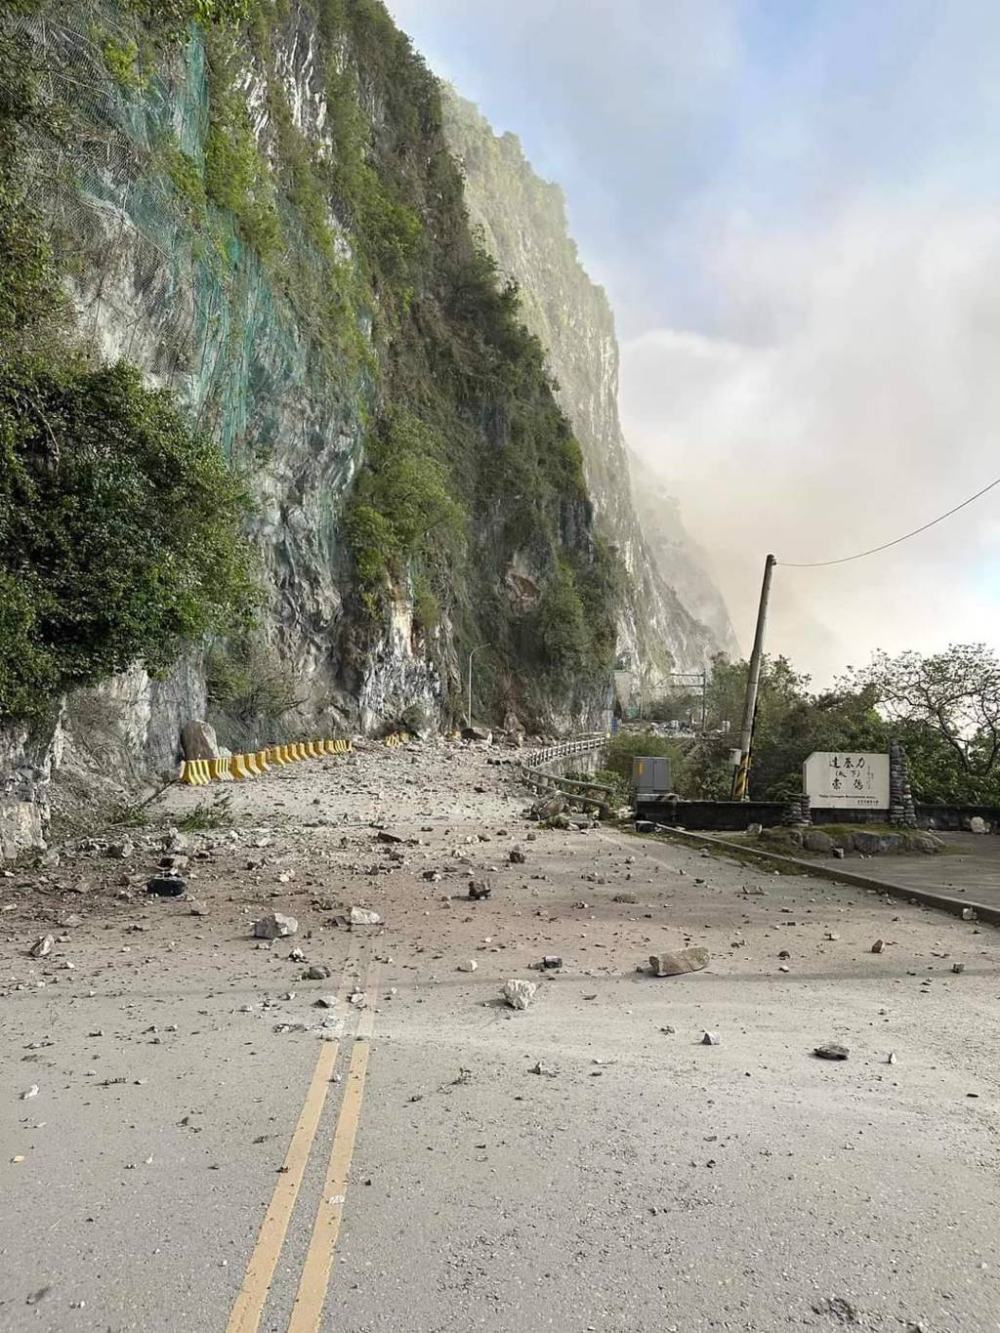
x: 741, y: 776
x: 704, y: 700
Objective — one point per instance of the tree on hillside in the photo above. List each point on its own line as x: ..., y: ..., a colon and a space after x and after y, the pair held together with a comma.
x: 946, y: 709
x: 791, y: 723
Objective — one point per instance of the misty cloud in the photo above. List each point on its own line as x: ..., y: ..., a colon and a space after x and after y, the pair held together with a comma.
x: 862, y: 401
x: 795, y: 208
x: 606, y: 95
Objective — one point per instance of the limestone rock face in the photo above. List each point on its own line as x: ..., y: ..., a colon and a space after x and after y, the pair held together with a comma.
x: 25, y: 774
x: 291, y: 382
x: 672, y: 602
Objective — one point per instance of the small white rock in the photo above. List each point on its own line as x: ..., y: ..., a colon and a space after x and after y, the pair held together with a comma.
x: 364, y: 916
x: 275, y: 926
x: 518, y: 993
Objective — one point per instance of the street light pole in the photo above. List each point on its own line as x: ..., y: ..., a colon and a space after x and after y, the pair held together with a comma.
x: 741, y: 776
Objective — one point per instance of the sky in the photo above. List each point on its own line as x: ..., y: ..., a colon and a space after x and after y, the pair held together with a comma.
x: 794, y: 206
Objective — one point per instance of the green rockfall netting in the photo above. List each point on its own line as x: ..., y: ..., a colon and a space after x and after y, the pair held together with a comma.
x: 159, y: 274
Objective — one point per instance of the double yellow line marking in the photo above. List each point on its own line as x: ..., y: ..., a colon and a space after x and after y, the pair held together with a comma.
x: 308, y: 1309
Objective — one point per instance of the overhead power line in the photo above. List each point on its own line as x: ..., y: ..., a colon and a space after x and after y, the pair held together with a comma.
x: 846, y: 559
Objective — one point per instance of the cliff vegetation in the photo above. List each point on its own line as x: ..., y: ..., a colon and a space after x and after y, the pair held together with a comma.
x: 248, y: 327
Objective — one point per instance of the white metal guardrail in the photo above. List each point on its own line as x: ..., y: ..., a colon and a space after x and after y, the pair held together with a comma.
x: 533, y: 772
x: 563, y: 750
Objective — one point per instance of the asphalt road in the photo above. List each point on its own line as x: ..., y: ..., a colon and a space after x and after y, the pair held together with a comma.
x: 206, y: 1155
x: 970, y: 870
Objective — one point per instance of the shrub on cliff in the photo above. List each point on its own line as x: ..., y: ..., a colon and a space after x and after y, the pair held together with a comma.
x: 119, y: 529
x: 119, y: 525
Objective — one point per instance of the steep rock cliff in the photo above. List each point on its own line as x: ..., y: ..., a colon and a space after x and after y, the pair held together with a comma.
x: 258, y: 209
x: 672, y: 615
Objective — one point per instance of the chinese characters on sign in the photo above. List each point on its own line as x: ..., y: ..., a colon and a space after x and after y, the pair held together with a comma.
x: 844, y: 780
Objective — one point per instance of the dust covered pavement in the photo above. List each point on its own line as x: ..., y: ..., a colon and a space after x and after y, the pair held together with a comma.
x: 586, y: 1163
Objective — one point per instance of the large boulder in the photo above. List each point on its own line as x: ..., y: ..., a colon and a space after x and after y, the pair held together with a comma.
x: 275, y: 926
x: 783, y: 839
x: 815, y: 840
x: 518, y: 993
x: 477, y: 734
x: 513, y: 731
x: 549, y: 806
x: 869, y: 844
x: 676, y: 963
x: 920, y: 842
x: 199, y: 741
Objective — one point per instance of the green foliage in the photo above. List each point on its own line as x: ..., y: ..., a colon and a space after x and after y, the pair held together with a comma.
x: 303, y: 175
x: 371, y: 195
x: 426, y: 605
x: 676, y: 707
x: 27, y: 677
x: 563, y: 637
x: 236, y: 176
x: 123, y: 65
x: 627, y: 744
x: 600, y: 582
x: 791, y: 723
x: 128, y: 814
x: 30, y: 296
x: 248, y: 681
x: 372, y: 540
x: 177, y: 15
x: 946, y: 708
x: 402, y: 511
x: 208, y: 815
x: 188, y: 179
x: 119, y: 524
x: 604, y: 777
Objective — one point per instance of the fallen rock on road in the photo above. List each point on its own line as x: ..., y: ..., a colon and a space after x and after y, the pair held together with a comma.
x: 275, y: 926
x: 167, y: 886
x: 364, y: 916
x: 831, y: 1051
x: 518, y: 993
x: 676, y: 964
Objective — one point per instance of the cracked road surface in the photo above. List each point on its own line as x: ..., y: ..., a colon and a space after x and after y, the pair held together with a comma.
x: 210, y: 1150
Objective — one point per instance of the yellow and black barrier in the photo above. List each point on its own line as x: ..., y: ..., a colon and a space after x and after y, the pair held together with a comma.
x: 243, y: 767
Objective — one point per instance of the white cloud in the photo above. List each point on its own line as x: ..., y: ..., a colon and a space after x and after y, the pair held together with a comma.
x: 860, y: 398
x: 796, y: 207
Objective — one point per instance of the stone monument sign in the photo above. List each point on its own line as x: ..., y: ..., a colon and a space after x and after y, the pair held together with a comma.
x: 847, y: 781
